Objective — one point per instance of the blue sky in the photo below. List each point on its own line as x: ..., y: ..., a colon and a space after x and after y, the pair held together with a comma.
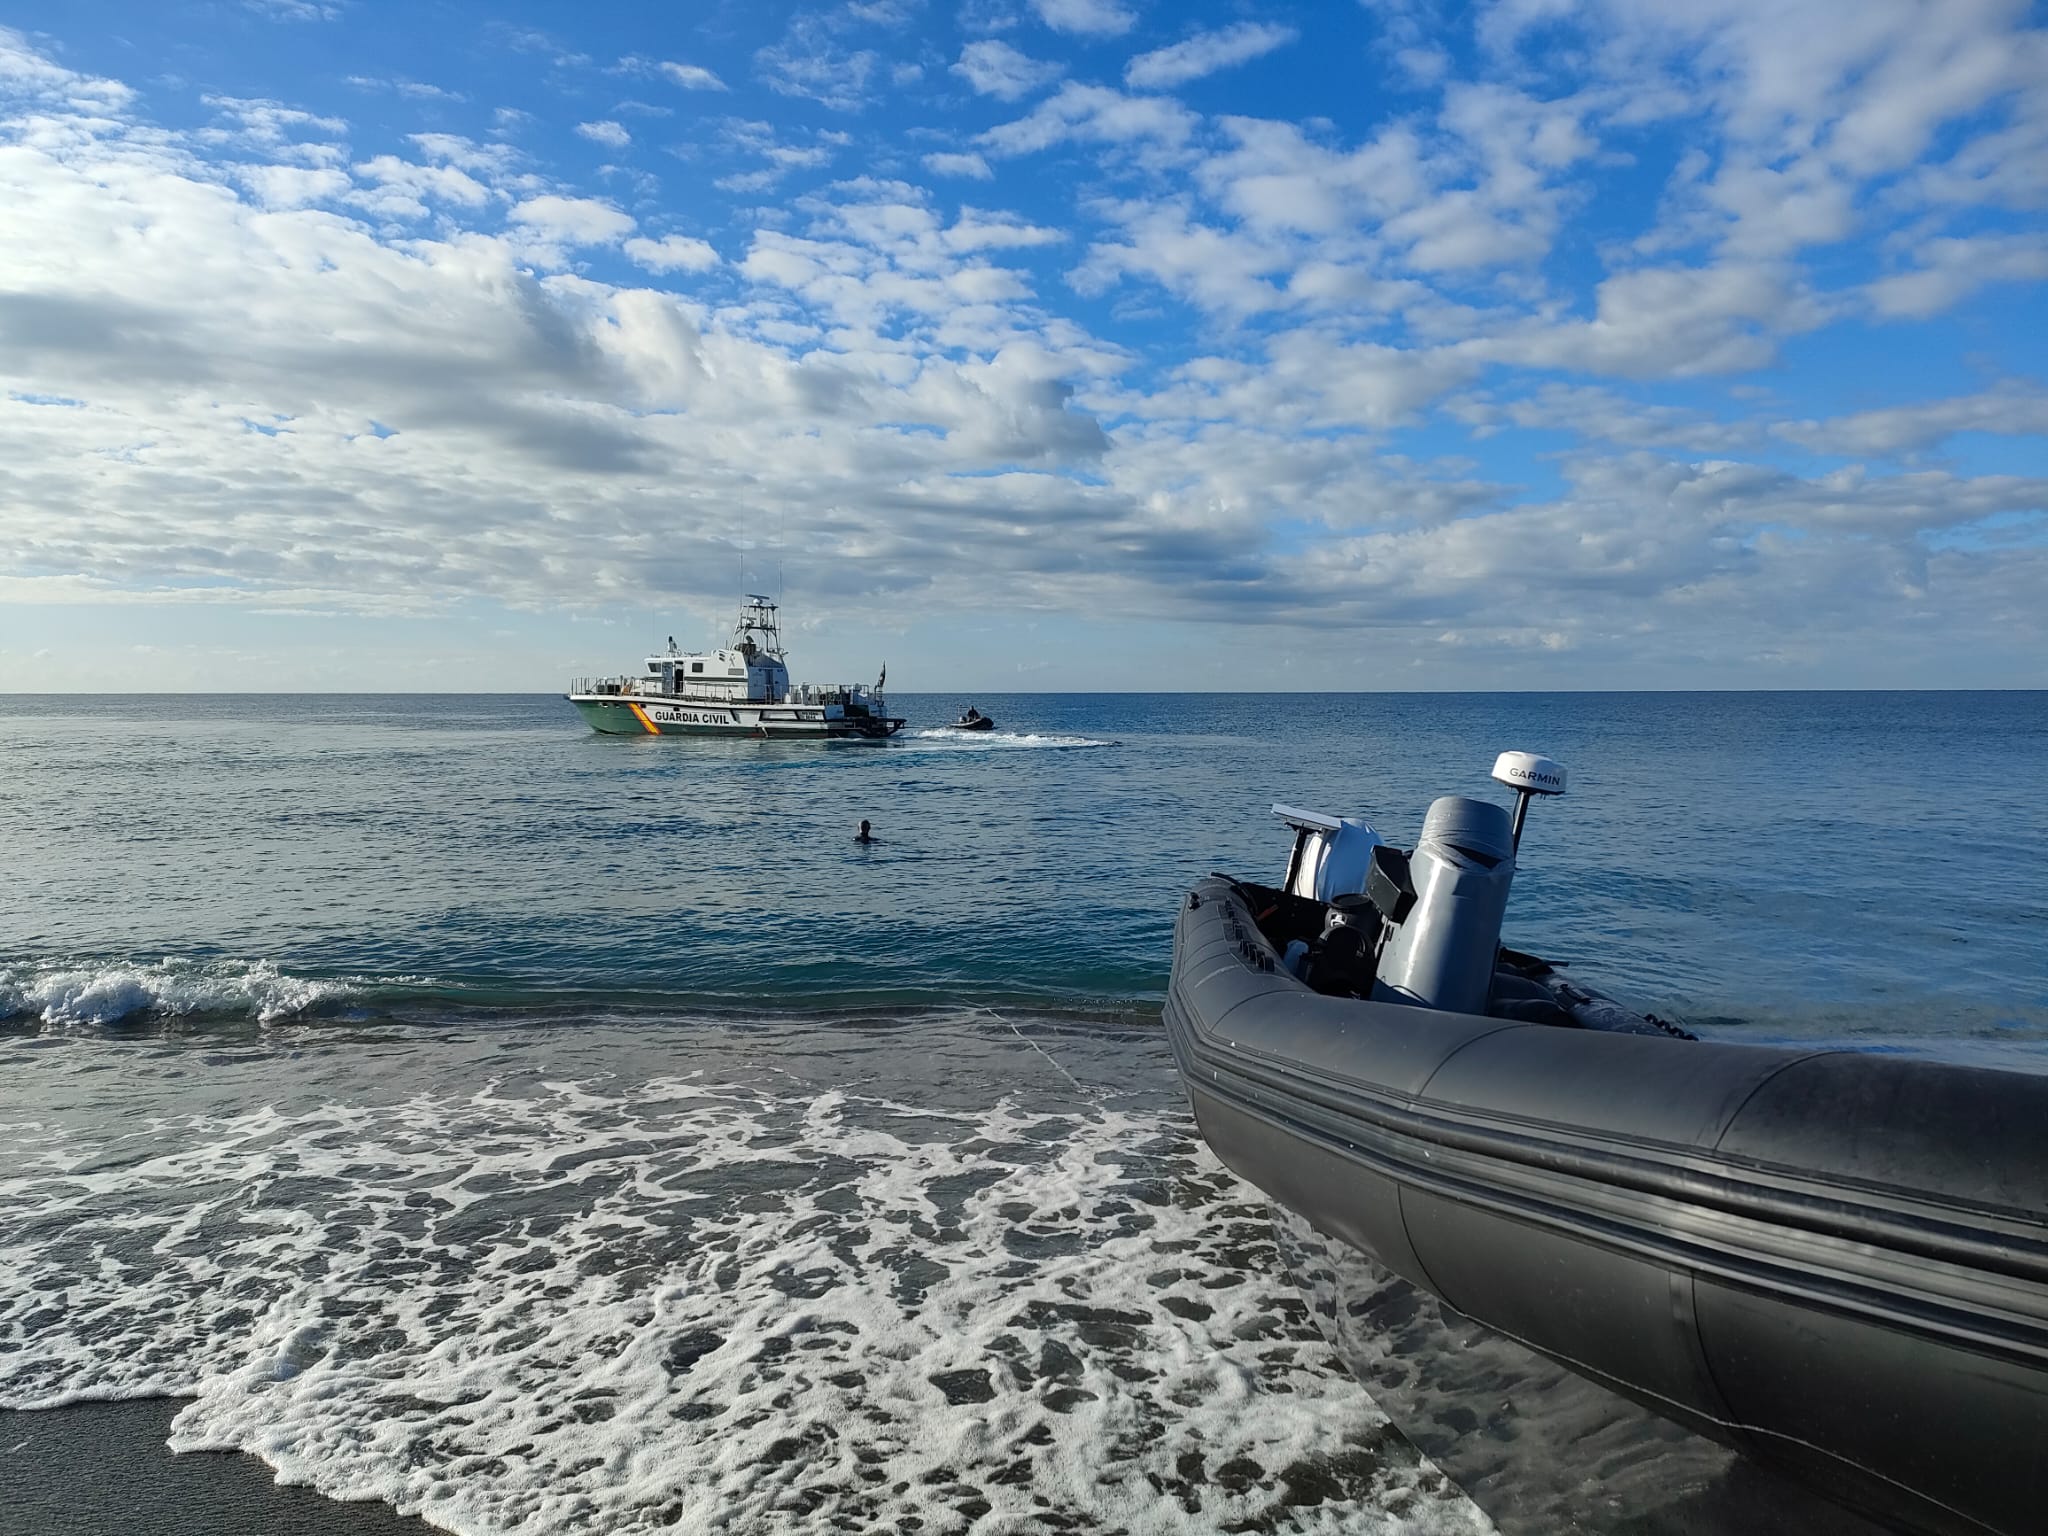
x: 1026, y: 343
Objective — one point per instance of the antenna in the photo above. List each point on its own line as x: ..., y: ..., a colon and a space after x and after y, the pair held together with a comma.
x: 1528, y: 774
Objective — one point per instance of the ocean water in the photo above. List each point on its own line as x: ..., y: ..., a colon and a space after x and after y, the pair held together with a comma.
x: 541, y: 1131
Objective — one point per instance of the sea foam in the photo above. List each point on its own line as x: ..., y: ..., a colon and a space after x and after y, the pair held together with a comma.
x: 564, y: 1306
x: 995, y: 741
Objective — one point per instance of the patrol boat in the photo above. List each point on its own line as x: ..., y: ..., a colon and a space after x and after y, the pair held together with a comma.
x: 742, y: 690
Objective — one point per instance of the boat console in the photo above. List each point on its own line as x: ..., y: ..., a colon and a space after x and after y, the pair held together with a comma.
x: 1357, y: 917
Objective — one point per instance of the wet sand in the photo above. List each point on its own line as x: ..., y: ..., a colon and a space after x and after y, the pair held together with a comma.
x: 102, y: 1469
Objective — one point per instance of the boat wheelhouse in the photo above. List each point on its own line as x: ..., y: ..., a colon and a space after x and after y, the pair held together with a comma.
x: 742, y: 689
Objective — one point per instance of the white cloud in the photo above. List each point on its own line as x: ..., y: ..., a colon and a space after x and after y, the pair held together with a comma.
x: 605, y: 132
x: 1204, y: 54
x: 1094, y: 114
x: 1089, y: 18
x: 971, y: 166
x: 276, y: 129
x: 403, y: 189
x: 1217, y: 269
x: 1458, y: 231
x: 1701, y: 541
x: 1308, y: 382
x: 295, y: 10
x: 1670, y: 322
x: 1773, y: 212
x: 813, y: 62
x: 881, y: 13
x: 28, y: 74
x: 996, y: 69
x: 1276, y: 179
x: 417, y: 90
x: 839, y: 80
x: 2004, y: 167
x: 978, y: 230
x: 1424, y: 66
x: 490, y: 161
x: 1816, y: 109
x: 691, y: 77
x: 759, y: 139
x: 672, y: 253
x: 573, y: 220
x: 290, y: 186
x: 1596, y: 415
x: 1485, y: 190
x: 1951, y: 270
x: 868, y: 288
x: 2015, y: 411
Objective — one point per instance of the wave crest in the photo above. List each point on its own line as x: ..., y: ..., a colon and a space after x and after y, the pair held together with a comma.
x: 108, y: 992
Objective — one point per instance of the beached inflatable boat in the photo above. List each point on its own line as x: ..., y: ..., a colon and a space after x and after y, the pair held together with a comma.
x: 1611, y: 1277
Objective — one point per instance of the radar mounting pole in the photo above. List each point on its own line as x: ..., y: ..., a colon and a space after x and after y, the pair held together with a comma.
x: 1528, y: 774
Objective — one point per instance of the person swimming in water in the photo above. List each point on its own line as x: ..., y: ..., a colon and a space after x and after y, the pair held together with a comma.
x: 863, y: 835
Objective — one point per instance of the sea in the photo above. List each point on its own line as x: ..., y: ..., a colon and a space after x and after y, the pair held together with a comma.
x: 538, y: 1131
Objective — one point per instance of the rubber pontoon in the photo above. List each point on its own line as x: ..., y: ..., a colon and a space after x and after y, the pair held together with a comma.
x: 1582, y: 1258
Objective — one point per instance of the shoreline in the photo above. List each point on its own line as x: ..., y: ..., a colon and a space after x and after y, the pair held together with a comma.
x: 104, y: 1469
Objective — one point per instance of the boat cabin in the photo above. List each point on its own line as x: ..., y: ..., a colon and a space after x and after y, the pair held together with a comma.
x: 742, y: 674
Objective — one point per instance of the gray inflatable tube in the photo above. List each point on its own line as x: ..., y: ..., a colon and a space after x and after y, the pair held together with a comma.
x: 1836, y: 1263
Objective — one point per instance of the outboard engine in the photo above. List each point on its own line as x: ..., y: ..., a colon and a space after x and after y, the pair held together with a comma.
x: 1331, y: 853
x: 1341, y: 962
x: 1444, y: 908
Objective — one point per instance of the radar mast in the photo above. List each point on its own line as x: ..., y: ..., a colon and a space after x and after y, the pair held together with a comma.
x: 756, y: 634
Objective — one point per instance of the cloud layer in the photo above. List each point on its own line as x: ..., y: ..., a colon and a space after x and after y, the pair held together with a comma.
x: 1539, y: 360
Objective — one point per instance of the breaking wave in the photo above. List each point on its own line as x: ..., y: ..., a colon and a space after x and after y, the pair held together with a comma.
x: 111, y: 992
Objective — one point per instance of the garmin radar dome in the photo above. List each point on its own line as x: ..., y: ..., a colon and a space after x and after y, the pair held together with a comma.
x: 1528, y: 774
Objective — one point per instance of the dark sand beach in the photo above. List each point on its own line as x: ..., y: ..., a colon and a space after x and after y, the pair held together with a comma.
x: 102, y: 1469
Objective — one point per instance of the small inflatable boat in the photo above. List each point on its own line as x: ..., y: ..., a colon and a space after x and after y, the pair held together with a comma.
x: 1608, y: 1276
x: 973, y: 720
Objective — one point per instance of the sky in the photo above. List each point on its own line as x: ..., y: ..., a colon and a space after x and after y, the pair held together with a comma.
x: 1026, y: 344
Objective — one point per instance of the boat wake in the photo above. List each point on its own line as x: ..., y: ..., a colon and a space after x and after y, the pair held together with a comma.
x: 995, y: 741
